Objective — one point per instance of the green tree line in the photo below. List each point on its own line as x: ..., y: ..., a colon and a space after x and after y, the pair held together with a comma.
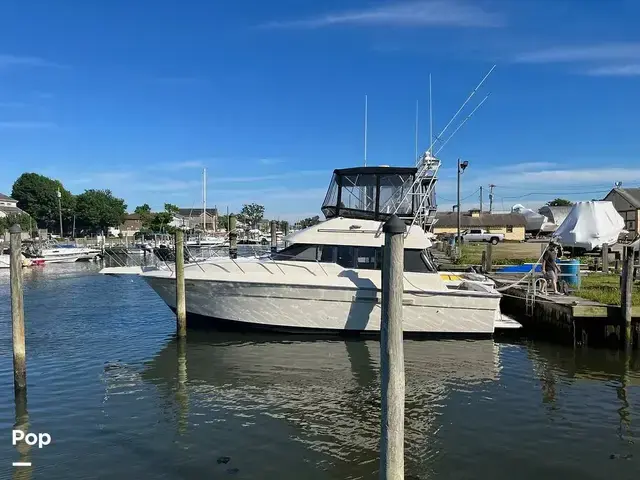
x: 92, y: 211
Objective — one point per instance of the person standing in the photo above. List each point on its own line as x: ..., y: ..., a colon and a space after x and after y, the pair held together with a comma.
x: 550, y: 268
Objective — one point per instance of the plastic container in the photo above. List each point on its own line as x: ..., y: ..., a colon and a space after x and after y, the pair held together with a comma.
x: 570, y: 272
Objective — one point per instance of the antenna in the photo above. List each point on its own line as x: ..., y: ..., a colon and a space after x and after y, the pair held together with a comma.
x: 417, y: 159
x: 463, y: 122
x: 366, y: 107
x: 430, y: 117
x: 462, y: 106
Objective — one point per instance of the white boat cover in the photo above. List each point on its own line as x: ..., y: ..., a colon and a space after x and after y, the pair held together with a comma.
x: 534, y: 220
x: 590, y: 225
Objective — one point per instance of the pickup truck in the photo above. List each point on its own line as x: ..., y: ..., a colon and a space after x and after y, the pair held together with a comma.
x: 481, y: 235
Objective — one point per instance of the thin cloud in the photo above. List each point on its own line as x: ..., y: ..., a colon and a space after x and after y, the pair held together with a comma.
x: 176, y: 81
x: 26, y: 125
x: 632, y: 70
x: 10, y: 61
x: 527, y: 166
x: 12, y: 105
x: 270, y: 161
x: 583, y: 53
x: 278, y: 176
x: 175, y: 166
x: 425, y: 13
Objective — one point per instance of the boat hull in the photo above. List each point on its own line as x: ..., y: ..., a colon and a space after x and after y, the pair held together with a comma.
x: 322, y: 309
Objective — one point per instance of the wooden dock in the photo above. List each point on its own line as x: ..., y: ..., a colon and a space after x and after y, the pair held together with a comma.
x: 566, y: 318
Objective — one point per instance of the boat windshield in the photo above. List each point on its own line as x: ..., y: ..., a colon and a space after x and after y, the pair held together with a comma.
x: 373, y: 193
x: 368, y: 258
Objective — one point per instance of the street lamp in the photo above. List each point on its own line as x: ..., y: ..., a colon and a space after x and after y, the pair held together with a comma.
x: 461, y: 167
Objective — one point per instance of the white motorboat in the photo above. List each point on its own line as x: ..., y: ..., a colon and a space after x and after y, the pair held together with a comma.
x: 329, y: 278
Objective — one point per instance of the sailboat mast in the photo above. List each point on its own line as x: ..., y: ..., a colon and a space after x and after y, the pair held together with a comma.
x: 204, y: 200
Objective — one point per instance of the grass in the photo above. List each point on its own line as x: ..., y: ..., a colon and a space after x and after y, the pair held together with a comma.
x: 604, y: 289
x: 503, y: 253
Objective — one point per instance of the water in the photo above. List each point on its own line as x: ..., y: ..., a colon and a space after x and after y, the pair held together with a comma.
x: 122, y: 398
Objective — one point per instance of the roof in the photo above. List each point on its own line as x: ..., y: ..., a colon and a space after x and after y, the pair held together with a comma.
x: 10, y: 210
x: 132, y: 216
x: 450, y: 219
x: 555, y: 214
x: 355, y: 232
x: 196, y: 212
x: 375, y: 170
x: 4, y: 198
x: 631, y: 195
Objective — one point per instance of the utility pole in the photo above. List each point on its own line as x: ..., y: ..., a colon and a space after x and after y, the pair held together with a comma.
x: 481, y: 198
x: 60, y: 211
x: 491, y: 186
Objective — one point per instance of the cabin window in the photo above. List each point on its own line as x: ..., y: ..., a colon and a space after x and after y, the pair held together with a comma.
x: 509, y: 228
x: 367, y: 258
x: 475, y: 230
x: 300, y: 252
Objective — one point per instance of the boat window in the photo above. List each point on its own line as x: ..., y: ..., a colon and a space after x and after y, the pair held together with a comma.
x: 413, y: 262
x: 300, y: 252
x: 367, y: 258
x: 346, y: 257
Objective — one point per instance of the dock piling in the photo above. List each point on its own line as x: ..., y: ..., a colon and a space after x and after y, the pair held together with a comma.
x: 488, y: 258
x: 233, y: 237
x: 274, y: 237
x: 392, y: 353
x: 285, y: 232
x: 17, y: 310
x: 181, y: 304
x: 626, y: 286
x: 605, y: 258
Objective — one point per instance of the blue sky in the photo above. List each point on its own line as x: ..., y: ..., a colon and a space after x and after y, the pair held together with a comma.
x: 139, y: 96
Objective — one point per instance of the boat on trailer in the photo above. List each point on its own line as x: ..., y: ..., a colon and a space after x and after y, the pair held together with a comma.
x: 328, y: 280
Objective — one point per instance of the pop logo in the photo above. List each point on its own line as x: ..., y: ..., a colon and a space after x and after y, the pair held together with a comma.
x: 31, y: 439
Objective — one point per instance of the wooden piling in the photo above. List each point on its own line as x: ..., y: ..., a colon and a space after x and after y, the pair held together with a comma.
x: 626, y: 287
x: 233, y: 237
x: 17, y: 310
x: 274, y: 237
x: 181, y: 303
x: 392, y: 353
x: 285, y: 232
x: 488, y: 258
x: 605, y: 258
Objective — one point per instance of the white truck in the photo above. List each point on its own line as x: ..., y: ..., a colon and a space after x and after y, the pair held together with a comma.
x: 481, y: 235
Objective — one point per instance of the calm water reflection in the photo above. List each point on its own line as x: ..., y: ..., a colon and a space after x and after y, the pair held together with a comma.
x: 122, y: 398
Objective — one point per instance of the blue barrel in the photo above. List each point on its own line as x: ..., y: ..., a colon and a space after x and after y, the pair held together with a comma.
x: 570, y: 272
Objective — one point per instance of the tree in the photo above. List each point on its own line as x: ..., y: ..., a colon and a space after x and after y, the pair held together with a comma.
x: 145, y: 215
x: 560, y: 202
x: 38, y: 196
x: 252, y: 213
x: 97, y: 210
x: 22, y: 219
x: 309, y: 222
x: 223, y: 221
x: 160, y: 221
x: 171, y: 208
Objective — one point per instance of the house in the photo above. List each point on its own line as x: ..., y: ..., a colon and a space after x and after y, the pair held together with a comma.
x: 8, y: 206
x: 627, y: 203
x: 132, y: 225
x: 196, y: 219
x: 512, y: 225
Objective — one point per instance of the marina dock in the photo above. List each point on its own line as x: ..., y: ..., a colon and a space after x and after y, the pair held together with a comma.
x: 566, y: 318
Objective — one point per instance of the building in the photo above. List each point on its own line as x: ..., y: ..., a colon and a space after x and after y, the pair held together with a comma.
x: 512, y: 225
x: 132, y: 225
x: 196, y: 219
x: 8, y: 206
x: 627, y: 203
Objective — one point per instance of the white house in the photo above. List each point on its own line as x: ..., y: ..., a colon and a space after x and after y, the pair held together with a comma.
x: 8, y: 206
